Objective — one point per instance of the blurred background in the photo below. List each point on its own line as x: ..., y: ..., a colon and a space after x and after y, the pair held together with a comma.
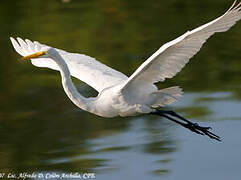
x: 42, y: 131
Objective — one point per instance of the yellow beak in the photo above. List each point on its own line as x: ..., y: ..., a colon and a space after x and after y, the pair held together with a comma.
x: 35, y: 55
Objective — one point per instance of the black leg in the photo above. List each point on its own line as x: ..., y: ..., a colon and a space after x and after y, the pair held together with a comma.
x: 194, y: 127
x: 174, y: 114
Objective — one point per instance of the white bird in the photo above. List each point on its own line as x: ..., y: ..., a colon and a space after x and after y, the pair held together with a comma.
x: 120, y: 95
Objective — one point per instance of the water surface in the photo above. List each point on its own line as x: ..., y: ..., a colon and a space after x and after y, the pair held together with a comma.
x: 42, y: 131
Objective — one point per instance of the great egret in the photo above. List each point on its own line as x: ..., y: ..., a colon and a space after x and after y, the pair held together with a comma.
x: 123, y: 96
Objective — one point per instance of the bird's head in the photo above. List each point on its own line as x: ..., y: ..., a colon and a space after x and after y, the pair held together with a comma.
x: 41, y: 54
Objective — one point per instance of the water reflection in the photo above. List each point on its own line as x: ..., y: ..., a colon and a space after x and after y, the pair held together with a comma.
x: 41, y: 131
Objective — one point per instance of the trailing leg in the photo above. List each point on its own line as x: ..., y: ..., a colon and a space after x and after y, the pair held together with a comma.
x: 194, y: 127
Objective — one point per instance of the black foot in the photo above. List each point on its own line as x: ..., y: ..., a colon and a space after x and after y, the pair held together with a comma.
x: 194, y: 127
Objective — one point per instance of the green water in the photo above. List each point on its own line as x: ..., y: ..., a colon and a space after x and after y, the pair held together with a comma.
x: 41, y: 131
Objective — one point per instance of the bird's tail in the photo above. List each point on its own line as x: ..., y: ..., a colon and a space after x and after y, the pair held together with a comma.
x: 166, y: 96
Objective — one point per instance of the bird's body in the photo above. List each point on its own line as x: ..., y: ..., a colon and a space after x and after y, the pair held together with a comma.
x: 120, y: 95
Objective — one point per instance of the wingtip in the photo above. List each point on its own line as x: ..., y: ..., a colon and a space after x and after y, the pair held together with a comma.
x: 12, y: 39
x: 234, y: 6
x: 235, y: 1
x: 15, y: 45
x: 20, y: 40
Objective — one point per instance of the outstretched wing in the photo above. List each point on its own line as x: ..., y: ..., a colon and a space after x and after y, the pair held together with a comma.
x: 85, y: 68
x: 172, y: 56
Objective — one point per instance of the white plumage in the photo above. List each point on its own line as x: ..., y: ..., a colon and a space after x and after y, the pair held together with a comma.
x: 118, y: 94
x: 85, y: 68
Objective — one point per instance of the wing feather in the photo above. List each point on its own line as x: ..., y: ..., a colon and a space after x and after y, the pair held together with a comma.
x: 172, y: 56
x: 85, y: 68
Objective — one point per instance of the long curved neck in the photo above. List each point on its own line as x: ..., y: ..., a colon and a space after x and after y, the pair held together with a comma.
x: 69, y: 88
